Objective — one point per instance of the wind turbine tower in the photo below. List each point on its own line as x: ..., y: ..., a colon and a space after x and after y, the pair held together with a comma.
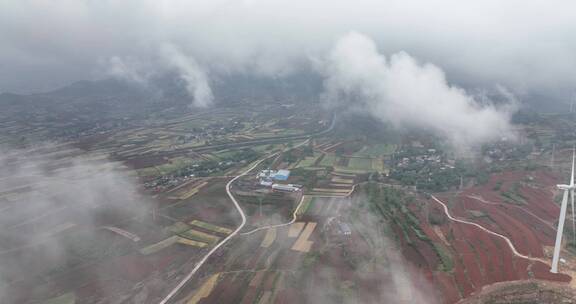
x: 568, y: 190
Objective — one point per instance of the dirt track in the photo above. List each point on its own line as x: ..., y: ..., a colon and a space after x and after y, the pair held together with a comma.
x: 510, y: 244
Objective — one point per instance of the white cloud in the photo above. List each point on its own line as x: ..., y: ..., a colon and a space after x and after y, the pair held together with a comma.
x: 406, y: 93
x: 128, y: 69
x: 63, y: 187
x: 196, y: 79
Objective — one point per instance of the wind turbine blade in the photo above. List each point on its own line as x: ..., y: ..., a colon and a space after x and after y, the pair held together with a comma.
x: 558, y: 243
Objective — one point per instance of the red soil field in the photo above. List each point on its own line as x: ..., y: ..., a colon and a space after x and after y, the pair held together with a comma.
x: 542, y: 271
x: 479, y: 258
x: 250, y: 296
x: 288, y: 296
x: 229, y: 291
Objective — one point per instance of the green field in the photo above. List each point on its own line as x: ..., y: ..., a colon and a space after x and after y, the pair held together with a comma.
x: 225, y: 153
x: 377, y: 150
x: 210, y: 227
x: 175, y: 164
x: 265, y: 148
x: 159, y: 246
x: 378, y: 165
x: 360, y: 164
x: 200, y: 236
x: 67, y: 298
x: 308, y: 201
x: 308, y: 161
x: 178, y: 227
x: 328, y: 160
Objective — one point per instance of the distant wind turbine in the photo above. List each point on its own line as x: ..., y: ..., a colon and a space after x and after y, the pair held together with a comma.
x: 568, y: 190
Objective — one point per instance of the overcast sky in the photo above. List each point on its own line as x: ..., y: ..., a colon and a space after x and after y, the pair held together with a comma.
x: 527, y: 46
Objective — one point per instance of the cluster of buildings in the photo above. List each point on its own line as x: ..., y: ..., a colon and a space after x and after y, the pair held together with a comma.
x: 269, y: 178
x: 209, y: 133
x: 338, y: 230
x: 428, y: 157
x: 165, y: 182
x: 503, y: 151
x: 343, y: 229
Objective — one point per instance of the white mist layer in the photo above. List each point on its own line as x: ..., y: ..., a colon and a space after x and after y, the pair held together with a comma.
x: 407, y: 94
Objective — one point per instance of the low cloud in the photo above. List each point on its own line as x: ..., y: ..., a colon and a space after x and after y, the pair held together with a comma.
x: 128, y: 69
x: 195, y: 77
x: 55, y: 204
x: 377, y: 262
x: 405, y: 93
x: 168, y: 60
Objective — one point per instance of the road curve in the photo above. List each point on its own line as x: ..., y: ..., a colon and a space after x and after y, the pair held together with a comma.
x: 278, y: 225
x: 176, y: 289
x: 483, y: 201
x: 296, y: 211
x: 508, y: 241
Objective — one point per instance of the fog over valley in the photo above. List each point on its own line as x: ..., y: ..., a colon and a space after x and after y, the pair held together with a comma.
x: 275, y: 151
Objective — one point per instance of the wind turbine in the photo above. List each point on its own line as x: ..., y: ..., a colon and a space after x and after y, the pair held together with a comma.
x: 568, y: 189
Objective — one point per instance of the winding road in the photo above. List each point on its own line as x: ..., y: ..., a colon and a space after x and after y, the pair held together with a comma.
x: 294, y: 214
x: 508, y: 241
x: 187, y: 278
x: 482, y: 200
x: 278, y: 225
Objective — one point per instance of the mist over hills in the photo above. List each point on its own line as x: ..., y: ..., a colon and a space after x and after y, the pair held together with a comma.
x: 117, y: 98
